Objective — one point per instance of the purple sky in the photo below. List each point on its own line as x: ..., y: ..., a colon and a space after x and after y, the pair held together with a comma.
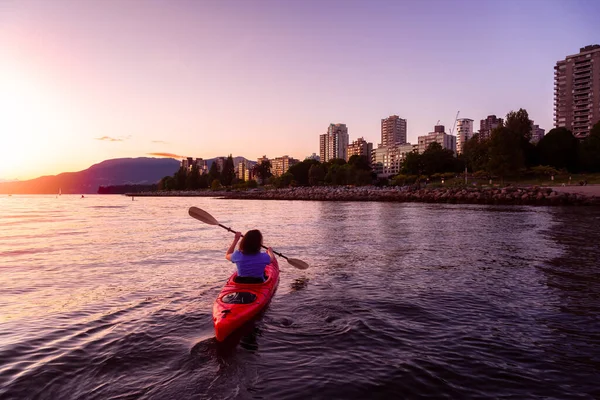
x: 209, y: 78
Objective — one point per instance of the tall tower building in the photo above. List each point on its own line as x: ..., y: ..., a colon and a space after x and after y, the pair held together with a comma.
x: 360, y: 147
x: 464, y: 132
x: 393, y: 131
x: 486, y: 126
x: 577, y: 91
x: 334, y: 143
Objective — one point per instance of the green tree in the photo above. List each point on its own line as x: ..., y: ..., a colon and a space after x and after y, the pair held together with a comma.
x: 559, y: 149
x: 213, y: 172
x: 359, y: 162
x: 263, y: 170
x: 475, y: 152
x: 413, y: 164
x: 316, y: 174
x: 519, y: 123
x: 300, y: 170
x: 436, y: 159
x: 506, y: 155
x: 192, y: 181
x: 589, y: 154
x: 203, y: 181
x: 180, y: 179
x: 228, y: 172
x: 286, y: 179
x: 215, y: 185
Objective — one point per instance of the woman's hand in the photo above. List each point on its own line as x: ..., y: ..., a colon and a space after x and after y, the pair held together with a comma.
x: 231, y: 248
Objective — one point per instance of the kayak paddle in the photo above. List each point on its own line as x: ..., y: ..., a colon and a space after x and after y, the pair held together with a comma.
x: 205, y: 217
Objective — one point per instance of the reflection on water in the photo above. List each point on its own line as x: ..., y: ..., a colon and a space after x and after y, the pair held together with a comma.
x: 112, y: 298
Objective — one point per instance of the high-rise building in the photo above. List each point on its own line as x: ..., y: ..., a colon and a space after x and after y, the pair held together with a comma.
x: 189, y: 162
x: 393, y: 131
x: 280, y: 165
x: 464, y: 132
x: 486, y: 126
x: 334, y: 143
x: 438, y: 135
x: 537, y: 133
x: 577, y: 91
x: 387, y: 161
x: 360, y: 147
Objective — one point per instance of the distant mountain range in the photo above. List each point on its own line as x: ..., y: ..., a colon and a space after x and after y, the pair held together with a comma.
x: 118, y: 171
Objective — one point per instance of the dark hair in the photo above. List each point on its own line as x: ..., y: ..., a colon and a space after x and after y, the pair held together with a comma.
x: 251, y: 242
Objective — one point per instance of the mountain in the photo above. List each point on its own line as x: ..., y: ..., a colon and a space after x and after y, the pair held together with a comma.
x: 118, y: 171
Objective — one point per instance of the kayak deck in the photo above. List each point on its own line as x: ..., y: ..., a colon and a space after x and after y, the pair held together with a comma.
x: 238, y: 303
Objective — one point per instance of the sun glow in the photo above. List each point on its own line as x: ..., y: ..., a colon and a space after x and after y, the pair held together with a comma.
x: 30, y: 124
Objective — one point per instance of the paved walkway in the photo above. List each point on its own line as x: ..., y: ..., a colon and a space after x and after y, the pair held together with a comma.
x: 588, y: 190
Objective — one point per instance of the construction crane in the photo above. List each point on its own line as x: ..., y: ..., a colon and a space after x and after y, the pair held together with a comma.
x: 454, y: 126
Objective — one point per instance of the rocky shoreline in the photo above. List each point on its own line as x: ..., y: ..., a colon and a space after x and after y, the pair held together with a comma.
x: 540, y: 196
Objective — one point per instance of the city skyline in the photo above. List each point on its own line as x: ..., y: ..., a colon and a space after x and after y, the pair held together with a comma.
x: 82, y: 82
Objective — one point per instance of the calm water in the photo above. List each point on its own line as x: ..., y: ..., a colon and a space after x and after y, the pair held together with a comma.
x: 105, y: 298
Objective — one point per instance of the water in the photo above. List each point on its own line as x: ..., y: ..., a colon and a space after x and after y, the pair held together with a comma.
x: 105, y: 298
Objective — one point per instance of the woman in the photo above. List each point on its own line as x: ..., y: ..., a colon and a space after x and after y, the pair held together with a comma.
x: 249, y: 260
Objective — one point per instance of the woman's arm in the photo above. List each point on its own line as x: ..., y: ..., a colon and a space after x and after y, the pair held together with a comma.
x: 231, y: 249
x: 270, y: 253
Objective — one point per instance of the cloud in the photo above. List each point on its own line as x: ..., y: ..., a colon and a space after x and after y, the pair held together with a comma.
x: 109, y: 139
x: 160, y: 142
x: 168, y: 155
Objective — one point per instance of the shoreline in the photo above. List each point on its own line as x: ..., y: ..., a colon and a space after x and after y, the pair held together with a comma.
x: 511, y: 195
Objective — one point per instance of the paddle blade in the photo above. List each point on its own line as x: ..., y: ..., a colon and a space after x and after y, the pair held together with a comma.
x: 203, y: 216
x: 294, y: 262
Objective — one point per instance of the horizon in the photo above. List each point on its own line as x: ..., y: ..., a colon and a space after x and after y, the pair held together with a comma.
x: 81, y: 83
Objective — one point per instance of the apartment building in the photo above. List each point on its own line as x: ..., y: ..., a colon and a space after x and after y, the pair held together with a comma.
x: 360, y: 147
x: 280, y: 165
x: 486, y: 126
x: 334, y: 143
x: 393, y: 131
x: 387, y: 161
x: 189, y: 162
x: 577, y: 91
x: 438, y: 135
x: 464, y: 132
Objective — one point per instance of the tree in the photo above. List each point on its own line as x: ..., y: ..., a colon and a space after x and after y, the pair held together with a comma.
x: 286, y: 179
x: 167, y: 183
x: 180, y: 179
x: 203, y: 181
x: 519, y: 123
x: 213, y: 172
x: 413, y: 164
x: 506, y: 156
x: 215, y: 185
x: 316, y: 174
x: 228, y: 172
x: 476, y: 153
x: 300, y: 170
x: 263, y: 170
x: 359, y: 162
x: 559, y: 149
x: 436, y: 159
x: 192, y: 181
x: 589, y: 154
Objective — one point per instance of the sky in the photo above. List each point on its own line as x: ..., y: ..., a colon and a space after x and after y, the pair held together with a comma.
x: 86, y: 81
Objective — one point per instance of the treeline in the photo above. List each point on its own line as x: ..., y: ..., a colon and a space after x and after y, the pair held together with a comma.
x: 509, y: 153
x: 122, y: 189
x: 308, y: 172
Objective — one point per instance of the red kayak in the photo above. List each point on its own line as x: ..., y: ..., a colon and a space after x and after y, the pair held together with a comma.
x: 238, y: 303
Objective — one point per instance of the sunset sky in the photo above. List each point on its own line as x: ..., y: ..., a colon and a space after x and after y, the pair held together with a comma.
x: 86, y: 81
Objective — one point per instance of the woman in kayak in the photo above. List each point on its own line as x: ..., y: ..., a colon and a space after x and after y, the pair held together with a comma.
x: 250, y: 261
